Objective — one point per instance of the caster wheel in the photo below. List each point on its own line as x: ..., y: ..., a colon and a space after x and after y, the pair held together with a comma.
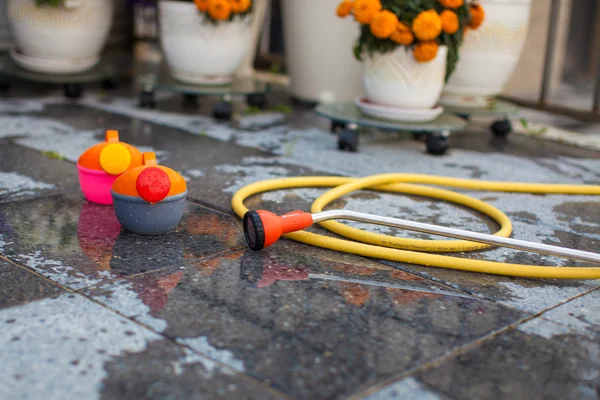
x: 73, y: 90
x: 348, y: 140
x: 190, y: 100
x: 4, y: 84
x: 501, y: 128
x: 436, y: 145
x: 109, y: 84
x: 257, y: 100
x: 337, y: 126
x: 223, y: 110
x: 147, y: 99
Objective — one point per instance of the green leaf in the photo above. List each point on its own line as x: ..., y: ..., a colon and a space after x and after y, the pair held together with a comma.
x: 52, y: 3
x: 282, y: 108
x: 524, y: 123
x: 53, y: 155
x: 252, y: 110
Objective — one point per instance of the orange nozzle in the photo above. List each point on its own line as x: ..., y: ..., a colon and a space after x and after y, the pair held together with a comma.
x: 263, y: 228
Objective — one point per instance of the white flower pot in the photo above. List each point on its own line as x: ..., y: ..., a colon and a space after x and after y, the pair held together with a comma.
x: 489, y: 55
x: 74, y: 36
x: 318, y: 51
x: 397, y: 79
x: 199, y: 51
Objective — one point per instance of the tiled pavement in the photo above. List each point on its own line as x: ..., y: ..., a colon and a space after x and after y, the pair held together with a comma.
x: 89, y: 311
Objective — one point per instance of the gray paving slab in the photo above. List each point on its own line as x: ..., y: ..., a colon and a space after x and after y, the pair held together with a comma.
x: 581, y: 315
x: 26, y: 173
x: 58, y: 347
x: 71, y: 347
x: 165, y: 370
x: 539, y: 360
x: 20, y: 286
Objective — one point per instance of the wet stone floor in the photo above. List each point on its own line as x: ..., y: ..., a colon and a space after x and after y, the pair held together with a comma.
x: 88, y: 310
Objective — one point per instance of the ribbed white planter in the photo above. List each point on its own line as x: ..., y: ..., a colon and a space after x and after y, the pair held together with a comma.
x: 396, y: 79
x: 61, y: 35
x: 199, y: 51
x: 318, y: 51
x: 489, y: 54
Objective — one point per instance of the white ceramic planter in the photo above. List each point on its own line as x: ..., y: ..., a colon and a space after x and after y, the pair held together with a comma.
x: 489, y: 54
x: 260, y: 9
x: 198, y: 51
x: 58, y: 36
x: 318, y: 51
x: 396, y: 79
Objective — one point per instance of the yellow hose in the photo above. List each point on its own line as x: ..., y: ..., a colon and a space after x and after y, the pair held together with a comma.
x: 410, y: 250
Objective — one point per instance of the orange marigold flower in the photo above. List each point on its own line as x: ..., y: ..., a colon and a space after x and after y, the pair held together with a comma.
x: 344, y: 8
x: 202, y: 5
x: 384, y: 24
x: 477, y: 16
x: 449, y: 21
x: 240, y: 6
x: 425, y: 51
x: 451, y: 3
x: 219, y: 9
x: 365, y: 10
x: 427, y: 25
x: 402, y: 35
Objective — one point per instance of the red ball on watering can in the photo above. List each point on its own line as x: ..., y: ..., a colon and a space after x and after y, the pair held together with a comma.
x: 153, y: 184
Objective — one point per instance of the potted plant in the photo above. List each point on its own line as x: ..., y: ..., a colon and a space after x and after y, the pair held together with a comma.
x: 490, y: 55
x: 205, y: 41
x: 59, y: 36
x: 316, y: 46
x: 409, y: 47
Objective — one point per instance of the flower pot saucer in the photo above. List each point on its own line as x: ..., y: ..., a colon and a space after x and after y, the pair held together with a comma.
x: 397, y: 114
x: 52, y: 66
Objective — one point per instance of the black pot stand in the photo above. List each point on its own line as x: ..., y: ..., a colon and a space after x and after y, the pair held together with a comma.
x: 73, y: 84
x: 346, y: 121
x: 254, y: 92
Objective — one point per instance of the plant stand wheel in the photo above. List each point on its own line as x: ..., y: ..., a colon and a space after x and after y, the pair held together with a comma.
x: 501, y: 128
x: 190, y: 100
x: 4, y: 83
x: 437, y: 144
x: 337, y: 126
x: 223, y: 110
x: 109, y: 84
x: 146, y: 99
x: 73, y: 90
x: 348, y: 140
x: 258, y: 100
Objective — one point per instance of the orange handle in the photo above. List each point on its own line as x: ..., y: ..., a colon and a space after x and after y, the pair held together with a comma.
x: 112, y: 136
x: 295, y: 221
x: 149, y: 158
x: 274, y: 226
